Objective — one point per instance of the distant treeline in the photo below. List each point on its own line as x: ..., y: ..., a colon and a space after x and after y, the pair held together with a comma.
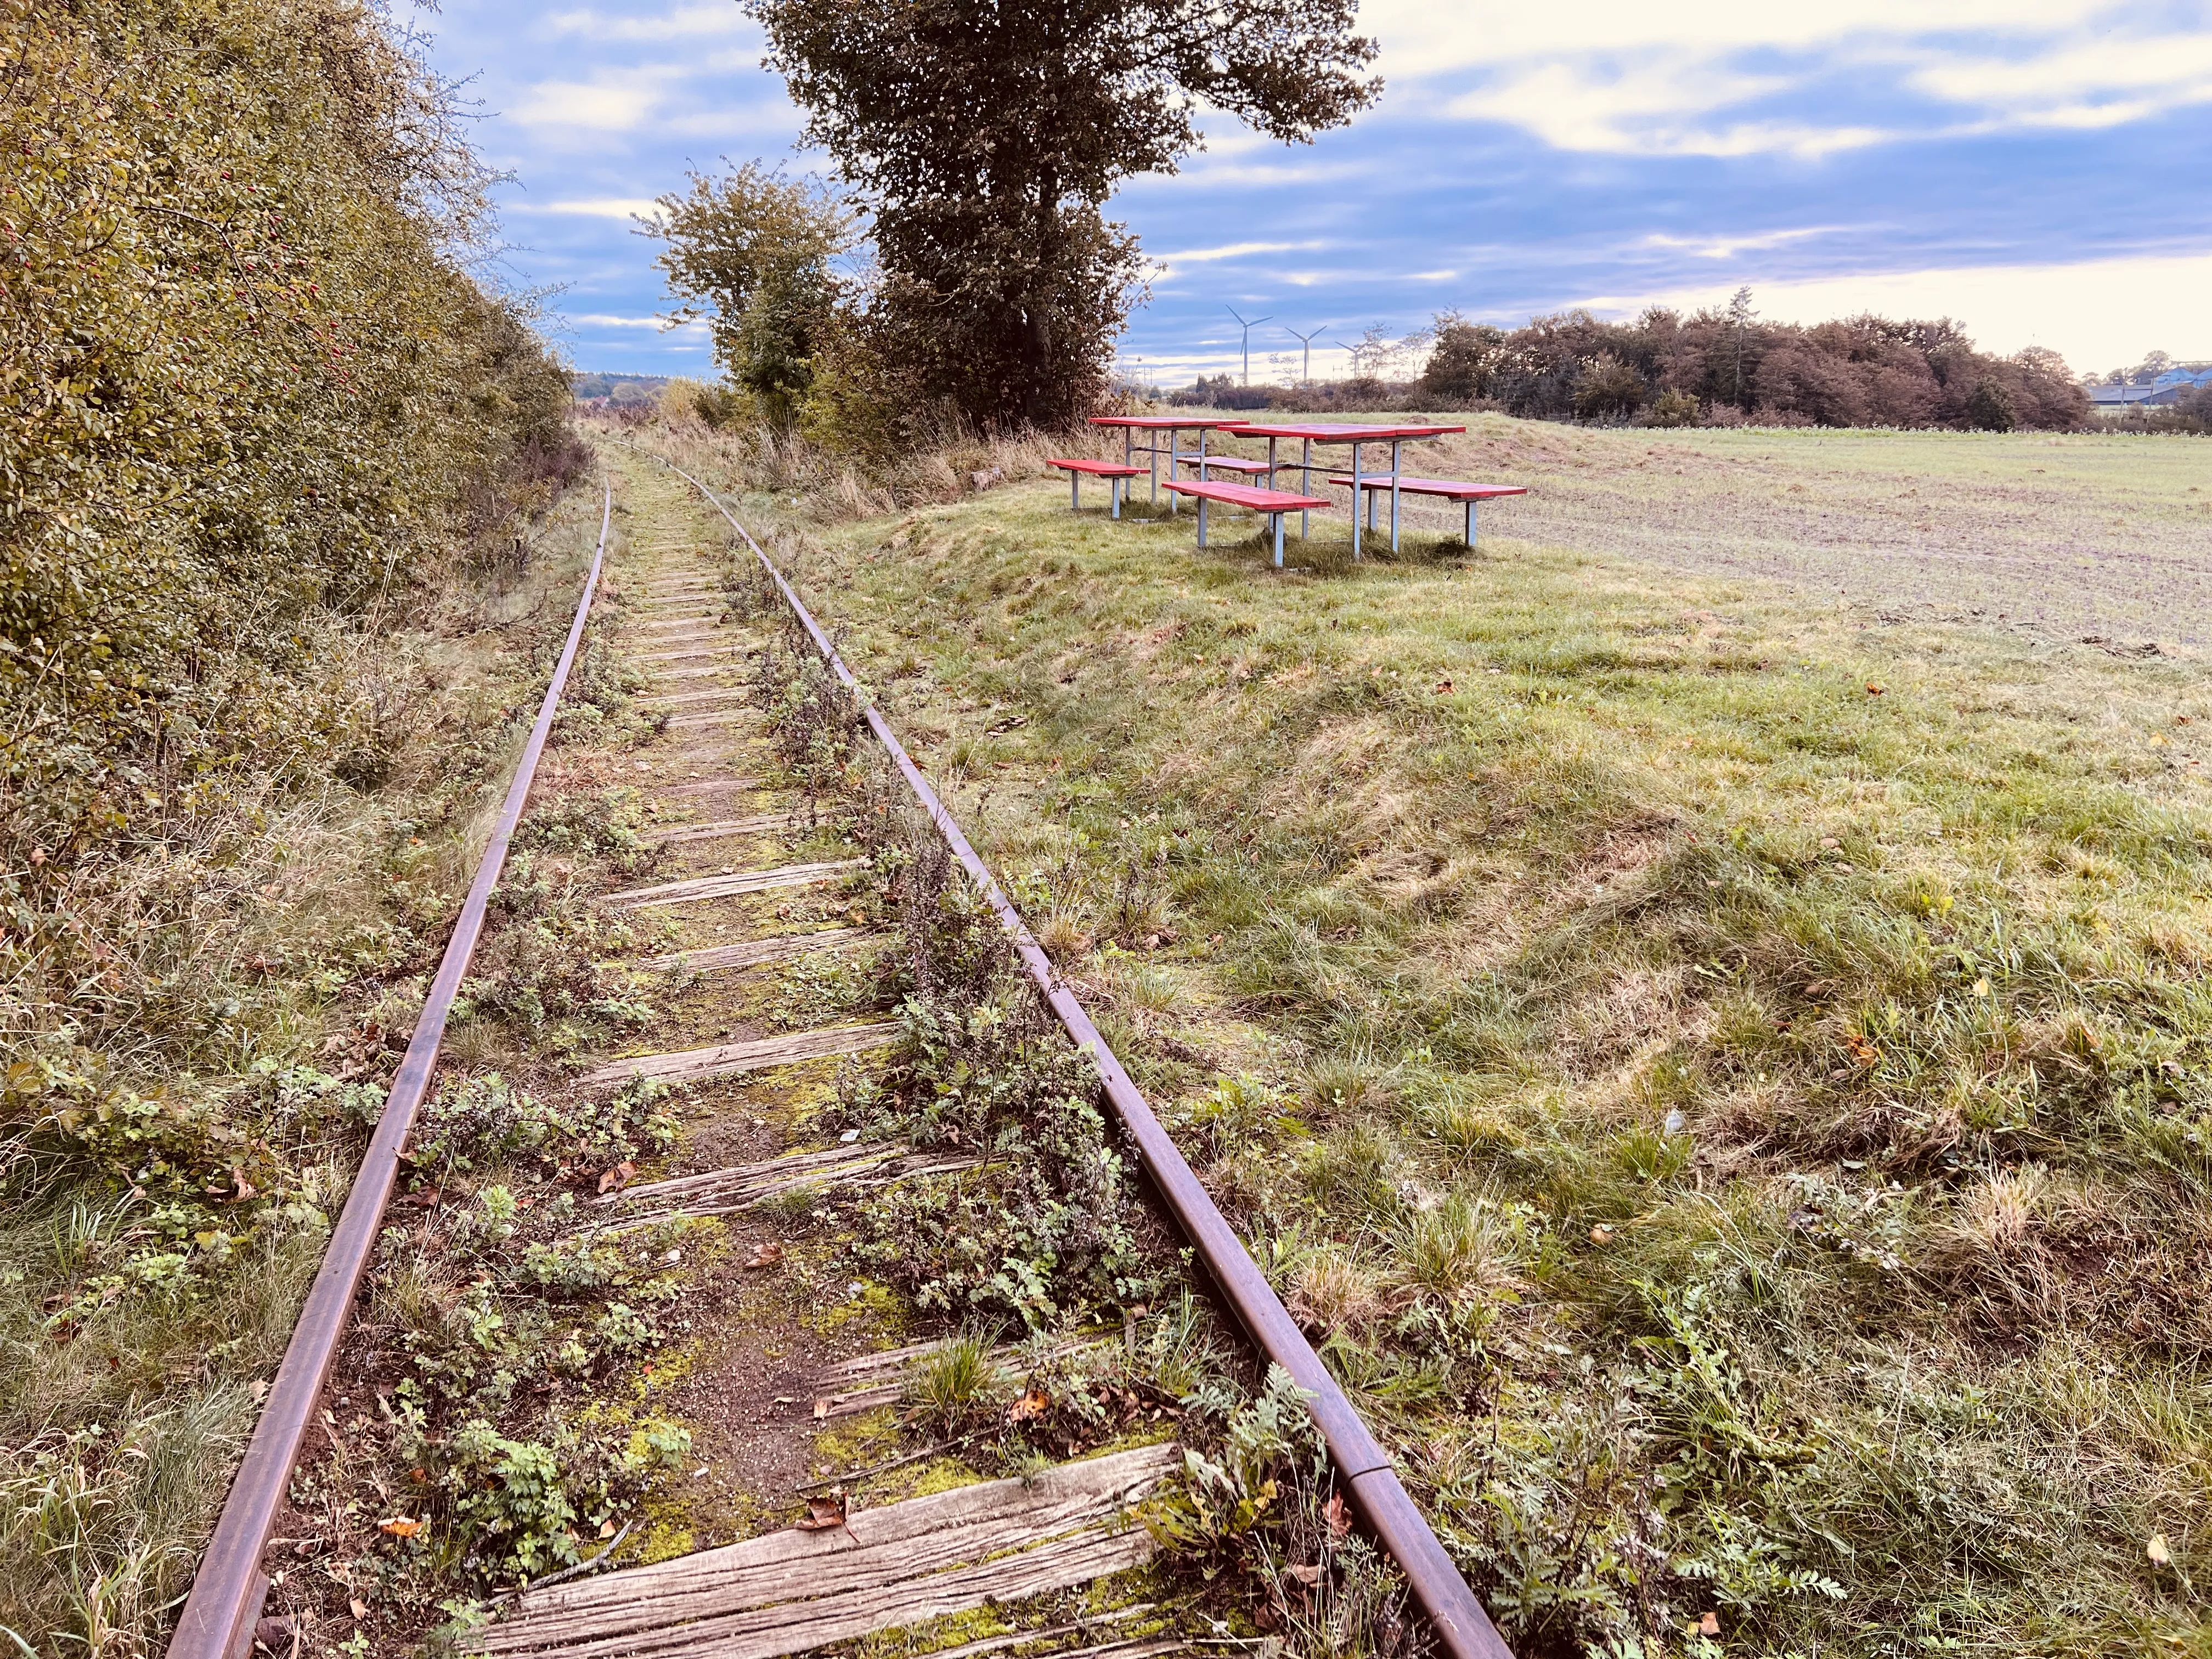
x: 618, y: 388
x: 1714, y: 367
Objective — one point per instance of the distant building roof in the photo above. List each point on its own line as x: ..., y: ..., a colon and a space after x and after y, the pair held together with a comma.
x: 2167, y: 388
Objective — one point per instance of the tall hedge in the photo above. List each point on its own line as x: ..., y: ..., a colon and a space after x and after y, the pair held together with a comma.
x: 244, y: 378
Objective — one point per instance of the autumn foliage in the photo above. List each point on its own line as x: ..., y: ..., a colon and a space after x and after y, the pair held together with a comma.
x: 244, y: 381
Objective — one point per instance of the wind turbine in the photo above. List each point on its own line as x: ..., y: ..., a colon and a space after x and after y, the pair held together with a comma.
x: 1247, y: 327
x: 1306, y: 340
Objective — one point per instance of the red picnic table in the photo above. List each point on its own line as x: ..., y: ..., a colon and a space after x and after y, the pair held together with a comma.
x: 1173, y: 426
x: 1308, y: 435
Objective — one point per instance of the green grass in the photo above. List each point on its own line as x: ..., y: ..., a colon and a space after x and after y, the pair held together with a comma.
x: 1723, y: 1069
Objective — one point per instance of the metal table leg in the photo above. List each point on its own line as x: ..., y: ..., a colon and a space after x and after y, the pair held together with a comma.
x: 1175, y: 456
x: 1470, y: 524
x: 1305, y: 483
x: 1396, y: 445
x: 1074, y: 491
x: 1202, y: 521
x: 1356, y: 493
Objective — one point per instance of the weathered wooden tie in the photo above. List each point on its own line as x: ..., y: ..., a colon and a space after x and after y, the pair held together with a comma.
x: 720, y: 718
x: 728, y: 1059
x: 737, y: 881
x: 757, y: 952
x: 677, y: 699
x: 726, y: 1192
x: 792, y: 1591
x: 758, y: 823
x: 874, y: 1380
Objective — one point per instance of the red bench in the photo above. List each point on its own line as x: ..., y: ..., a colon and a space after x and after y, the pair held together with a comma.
x: 1113, y: 471
x: 1449, y: 489
x: 1274, y: 503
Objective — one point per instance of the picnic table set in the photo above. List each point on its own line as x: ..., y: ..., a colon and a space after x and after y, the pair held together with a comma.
x: 1272, y: 503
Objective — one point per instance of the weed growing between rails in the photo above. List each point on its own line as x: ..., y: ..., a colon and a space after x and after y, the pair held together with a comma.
x: 1047, y: 1235
x: 1716, y: 1075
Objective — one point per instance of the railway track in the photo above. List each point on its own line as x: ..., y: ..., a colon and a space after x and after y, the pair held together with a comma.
x: 1033, y: 1490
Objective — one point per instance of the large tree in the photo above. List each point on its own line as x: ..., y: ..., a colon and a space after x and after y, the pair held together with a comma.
x: 985, y: 135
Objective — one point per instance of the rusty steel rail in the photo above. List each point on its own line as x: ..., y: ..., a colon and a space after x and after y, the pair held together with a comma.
x: 228, y: 1589
x: 1462, y: 1627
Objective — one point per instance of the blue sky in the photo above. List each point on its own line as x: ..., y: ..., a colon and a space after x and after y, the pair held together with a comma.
x: 2041, y: 169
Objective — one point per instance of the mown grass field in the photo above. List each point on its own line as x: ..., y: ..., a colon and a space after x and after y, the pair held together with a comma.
x: 2061, y: 534
x: 1718, y: 1048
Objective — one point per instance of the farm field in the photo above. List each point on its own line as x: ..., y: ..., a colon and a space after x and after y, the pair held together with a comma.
x: 1702, y: 1004
x: 2067, y: 534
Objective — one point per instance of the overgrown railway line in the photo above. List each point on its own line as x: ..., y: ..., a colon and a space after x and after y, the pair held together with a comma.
x: 722, y: 802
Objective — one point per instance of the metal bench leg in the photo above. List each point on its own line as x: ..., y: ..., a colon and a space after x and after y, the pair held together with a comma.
x: 1278, y: 520
x: 1117, y: 499
x: 1470, y: 525
x: 1075, y: 492
x: 1202, y: 521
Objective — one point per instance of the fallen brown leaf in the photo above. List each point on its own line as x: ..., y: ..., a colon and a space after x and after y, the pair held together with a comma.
x: 824, y: 1511
x: 1306, y: 1576
x: 360, y: 1608
x: 618, y: 1177
x: 1030, y: 1405
x: 1340, y: 1523
x: 766, y: 1255
x: 821, y: 1409
x: 400, y: 1526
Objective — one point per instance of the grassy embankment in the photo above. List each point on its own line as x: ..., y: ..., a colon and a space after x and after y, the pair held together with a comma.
x: 1723, y: 1070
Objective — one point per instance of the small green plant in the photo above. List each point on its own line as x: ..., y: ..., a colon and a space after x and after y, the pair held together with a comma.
x: 947, y: 1388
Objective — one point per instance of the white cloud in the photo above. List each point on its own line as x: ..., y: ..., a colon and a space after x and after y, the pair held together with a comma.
x: 683, y: 22
x: 619, y: 103
x: 2098, y: 314
x: 1199, y: 256
x: 599, y: 207
x: 2079, y: 82
x: 659, y: 324
x: 1420, y: 37
x: 1609, y: 76
x: 1727, y: 248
